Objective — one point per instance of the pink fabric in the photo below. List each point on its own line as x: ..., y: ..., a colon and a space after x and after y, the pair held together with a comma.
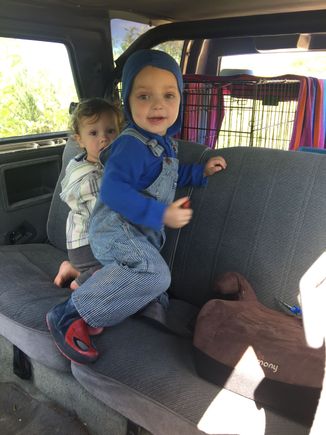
x: 204, y: 109
x: 310, y: 121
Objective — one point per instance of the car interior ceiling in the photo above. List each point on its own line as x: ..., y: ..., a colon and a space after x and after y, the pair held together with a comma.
x: 231, y: 33
x: 171, y: 10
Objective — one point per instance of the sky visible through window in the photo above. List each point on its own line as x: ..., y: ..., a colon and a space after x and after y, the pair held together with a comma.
x: 124, y: 33
x: 311, y: 64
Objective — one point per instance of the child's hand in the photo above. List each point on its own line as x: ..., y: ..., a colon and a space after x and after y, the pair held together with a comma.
x: 213, y: 165
x: 175, y: 216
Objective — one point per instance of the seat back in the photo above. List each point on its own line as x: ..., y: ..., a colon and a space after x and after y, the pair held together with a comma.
x: 56, y: 225
x: 264, y: 217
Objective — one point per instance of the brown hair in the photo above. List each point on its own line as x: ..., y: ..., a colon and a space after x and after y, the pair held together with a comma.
x: 94, y: 107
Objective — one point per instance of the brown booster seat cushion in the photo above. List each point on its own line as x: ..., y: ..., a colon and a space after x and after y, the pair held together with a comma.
x: 257, y: 352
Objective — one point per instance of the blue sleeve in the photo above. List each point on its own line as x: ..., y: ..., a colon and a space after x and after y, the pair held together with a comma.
x: 191, y: 175
x: 129, y: 159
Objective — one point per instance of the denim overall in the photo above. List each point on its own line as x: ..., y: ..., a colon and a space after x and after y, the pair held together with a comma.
x: 134, y: 273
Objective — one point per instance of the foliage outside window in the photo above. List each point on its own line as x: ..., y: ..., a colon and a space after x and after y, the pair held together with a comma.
x: 124, y: 33
x: 36, y: 87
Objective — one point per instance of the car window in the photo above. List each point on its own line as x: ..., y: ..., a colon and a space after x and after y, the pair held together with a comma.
x: 174, y: 48
x: 36, y: 87
x: 275, y: 64
x: 125, y: 32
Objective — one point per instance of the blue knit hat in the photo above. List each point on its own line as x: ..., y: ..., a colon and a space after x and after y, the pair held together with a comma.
x: 139, y: 60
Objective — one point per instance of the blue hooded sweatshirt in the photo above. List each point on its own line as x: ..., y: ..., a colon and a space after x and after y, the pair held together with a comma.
x: 132, y: 167
x: 139, y: 60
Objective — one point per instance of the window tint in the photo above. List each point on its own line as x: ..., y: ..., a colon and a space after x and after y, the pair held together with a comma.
x: 36, y: 87
x: 275, y: 64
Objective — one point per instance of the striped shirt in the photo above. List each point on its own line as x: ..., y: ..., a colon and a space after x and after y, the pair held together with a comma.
x: 80, y: 188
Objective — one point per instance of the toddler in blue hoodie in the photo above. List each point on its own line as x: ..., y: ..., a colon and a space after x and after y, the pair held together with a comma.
x: 136, y: 202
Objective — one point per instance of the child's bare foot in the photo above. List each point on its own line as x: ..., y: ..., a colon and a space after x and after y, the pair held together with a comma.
x: 65, y: 274
x: 74, y: 285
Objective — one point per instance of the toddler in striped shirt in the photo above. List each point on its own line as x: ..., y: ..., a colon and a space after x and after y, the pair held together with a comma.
x: 95, y: 123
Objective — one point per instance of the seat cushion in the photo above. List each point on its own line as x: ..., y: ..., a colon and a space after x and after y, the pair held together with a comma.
x: 148, y: 375
x: 27, y: 292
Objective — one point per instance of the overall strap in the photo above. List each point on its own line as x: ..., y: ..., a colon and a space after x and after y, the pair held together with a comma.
x: 154, y: 146
x: 174, y: 145
x: 104, y: 155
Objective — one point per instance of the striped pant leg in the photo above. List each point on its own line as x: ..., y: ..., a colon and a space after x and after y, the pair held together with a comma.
x: 123, y: 286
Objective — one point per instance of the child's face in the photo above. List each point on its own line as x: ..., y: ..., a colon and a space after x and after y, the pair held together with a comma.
x: 154, y: 100
x: 96, y: 134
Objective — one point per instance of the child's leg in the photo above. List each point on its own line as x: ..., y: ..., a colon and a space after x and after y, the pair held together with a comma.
x: 66, y: 273
x: 70, y: 332
x: 85, y: 262
x: 136, y: 275
x: 83, y: 276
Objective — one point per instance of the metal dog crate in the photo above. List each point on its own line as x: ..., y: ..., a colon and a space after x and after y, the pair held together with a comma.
x: 240, y: 110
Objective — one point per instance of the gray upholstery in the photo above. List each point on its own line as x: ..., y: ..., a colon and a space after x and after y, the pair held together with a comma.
x: 27, y: 291
x: 56, y: 227
x: 148, y: 375
x: 264, y: 217
x: 26, y: 294
x: 26, y: 288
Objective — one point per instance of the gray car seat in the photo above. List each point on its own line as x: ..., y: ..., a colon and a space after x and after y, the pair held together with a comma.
x: 263, y: 217
x: 27, y: 291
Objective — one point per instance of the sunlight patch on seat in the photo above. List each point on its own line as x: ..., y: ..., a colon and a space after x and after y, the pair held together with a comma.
x: 230, y: 413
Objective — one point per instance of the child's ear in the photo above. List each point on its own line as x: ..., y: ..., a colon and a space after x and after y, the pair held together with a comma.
x: 78, y: 139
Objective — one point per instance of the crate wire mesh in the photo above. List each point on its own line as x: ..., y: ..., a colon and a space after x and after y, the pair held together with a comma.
x: 240, y: 111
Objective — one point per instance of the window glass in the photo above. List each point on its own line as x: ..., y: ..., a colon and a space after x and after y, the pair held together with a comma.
x: 125, y: 33
x: 36, y: 87
x: 274, y: 64
x: 174, y: 48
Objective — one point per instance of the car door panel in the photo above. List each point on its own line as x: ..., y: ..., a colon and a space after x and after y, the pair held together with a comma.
x: 27, y: 181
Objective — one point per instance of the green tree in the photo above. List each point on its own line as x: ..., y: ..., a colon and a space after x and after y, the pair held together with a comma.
x: 174, y: 48
x: 30, y: 106
x: 30, y: 102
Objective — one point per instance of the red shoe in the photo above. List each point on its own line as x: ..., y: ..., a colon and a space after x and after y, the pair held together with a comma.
x: 70, y: 333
